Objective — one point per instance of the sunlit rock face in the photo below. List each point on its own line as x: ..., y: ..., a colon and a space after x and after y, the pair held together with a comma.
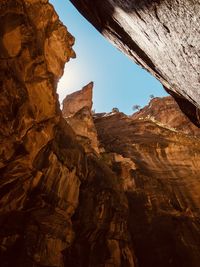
x: 166, y: 112
x: 162, y: 36
x: 41, y: 164
x: 78, y: 100
x: 164, y: 196
x: 77, y: 110
x: 135, y: 204
x: 46, y: 176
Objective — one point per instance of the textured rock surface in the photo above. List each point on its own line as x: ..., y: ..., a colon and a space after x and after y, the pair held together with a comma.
x: 77, y: 112
x: 167, y: 112
x: 62, y: 207
x: 101, y: 222
x: 41, y: 164
x: 78, y: 100
x: 162, y: 36
x: 164, y: 197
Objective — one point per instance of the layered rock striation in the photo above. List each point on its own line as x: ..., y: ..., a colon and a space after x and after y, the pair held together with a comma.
x: 163, y: 198
x: 166, y: 112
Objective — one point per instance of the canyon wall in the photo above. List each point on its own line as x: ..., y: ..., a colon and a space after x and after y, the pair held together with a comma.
x: 165, y: 110
x: 45, y: 172
x: 160, y: 35
x: 41, y: 164
x: 162, y: 185
x: 127, y: 197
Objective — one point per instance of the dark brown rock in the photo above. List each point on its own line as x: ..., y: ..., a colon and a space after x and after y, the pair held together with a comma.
x: 162, y: 36
x: 62, y: 207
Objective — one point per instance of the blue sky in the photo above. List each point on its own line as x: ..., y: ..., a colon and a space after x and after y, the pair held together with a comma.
x: 118, y: 81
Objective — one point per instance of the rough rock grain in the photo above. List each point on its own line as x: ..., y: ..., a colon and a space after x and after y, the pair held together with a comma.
x: 161, y: 35
x: 166, y: 112
x: 41, y: 164
x: 44, y: 172
x: 164, y: 197
x: 78, y: 100
x: 77, y: 112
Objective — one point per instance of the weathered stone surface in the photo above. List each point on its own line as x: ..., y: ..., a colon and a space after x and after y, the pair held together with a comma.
x: 165, y: 192
x: 161, y: 35
x: 41, y: 163
x: 78, y: 100
x: 166, y: 112
x: 101, y: 222
x: 136, y: 204
x: 77, y: 112
x: 42, y: 166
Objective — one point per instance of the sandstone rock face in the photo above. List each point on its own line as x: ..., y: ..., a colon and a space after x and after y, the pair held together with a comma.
x: 167, y: 113
x: 135, y: 204
x: 41, y: 164
x: 101, y: 222
x: 164, y: 195
x: 162, y: 36
x: 77, y: 112
x: 45, y: 173
x: 78, y: 100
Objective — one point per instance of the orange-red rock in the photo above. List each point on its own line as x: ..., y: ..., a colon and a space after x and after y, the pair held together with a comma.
x: 78, y: 100
x: 77, y: 110
x: 164, y: 197
x: 135, y: 204
x: 166, y: 112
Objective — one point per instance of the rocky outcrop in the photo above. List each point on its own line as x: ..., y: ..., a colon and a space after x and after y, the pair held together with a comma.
x: 135, y: 204
x: 78, y: 100
x: 163, y: 197
x: 162, y: 36
x: 166, y: 112
x: 77, y: 110
x: 45, y: 172
x: 41, y: 164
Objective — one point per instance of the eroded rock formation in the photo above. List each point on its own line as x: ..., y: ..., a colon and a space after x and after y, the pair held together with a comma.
x: 165, y: 190
x: 161, y: 35
x: 77, y: 110
x: 136, y: 204
x: 165, y: 111
x: 41, y: 164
